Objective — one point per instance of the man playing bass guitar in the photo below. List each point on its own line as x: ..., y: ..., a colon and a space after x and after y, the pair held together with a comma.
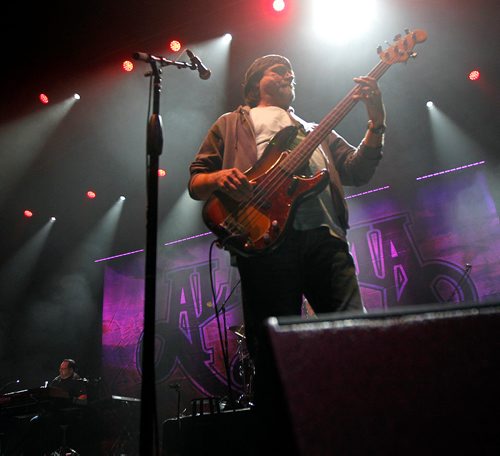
x: 247, y: 170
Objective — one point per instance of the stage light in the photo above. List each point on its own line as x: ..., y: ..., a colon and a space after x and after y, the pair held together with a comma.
x: 52, y: 219
x: 127, y: 65
x: 122, y: 198
x: 175, y: 46
x: 451, y: 170
x: 76, y: 96
x: 227, y: 38
x: 379, y: 189
x: 348, y: 17
x: 43, y: 98
x: 429, y: 104
x: 278, y: 5
x: 162, y: 173
x: 91, y: 194
x: 474, y: 75
x: 28, y: 213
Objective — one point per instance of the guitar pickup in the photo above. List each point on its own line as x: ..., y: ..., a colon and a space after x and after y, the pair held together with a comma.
x: 265, y: 205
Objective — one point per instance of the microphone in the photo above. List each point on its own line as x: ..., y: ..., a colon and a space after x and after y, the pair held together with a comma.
x: 203, y: 71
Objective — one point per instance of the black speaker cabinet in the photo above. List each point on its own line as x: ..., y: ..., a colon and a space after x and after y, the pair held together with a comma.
x: 423, y: 380
x: 226, y: 433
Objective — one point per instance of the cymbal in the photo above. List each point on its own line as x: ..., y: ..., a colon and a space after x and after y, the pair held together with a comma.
x: 239, y: 330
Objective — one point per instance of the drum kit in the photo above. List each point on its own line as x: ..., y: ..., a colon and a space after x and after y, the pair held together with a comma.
x: 245, y: 369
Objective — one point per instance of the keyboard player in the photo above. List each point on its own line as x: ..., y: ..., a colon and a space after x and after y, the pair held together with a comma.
x: 70, y: 381
x: 59, y: 420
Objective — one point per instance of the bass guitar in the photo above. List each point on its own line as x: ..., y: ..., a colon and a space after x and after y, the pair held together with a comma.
x: 258, y: 225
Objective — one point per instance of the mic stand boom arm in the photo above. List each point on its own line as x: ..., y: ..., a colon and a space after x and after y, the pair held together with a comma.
x: 152, y: 59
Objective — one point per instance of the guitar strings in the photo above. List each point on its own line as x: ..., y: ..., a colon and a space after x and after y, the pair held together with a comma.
x: 293, y: 161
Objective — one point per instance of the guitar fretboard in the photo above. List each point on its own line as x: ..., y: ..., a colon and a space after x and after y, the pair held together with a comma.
x: 301, y: 154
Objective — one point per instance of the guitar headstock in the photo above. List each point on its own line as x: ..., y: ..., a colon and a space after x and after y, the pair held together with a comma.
x: 402, y: 49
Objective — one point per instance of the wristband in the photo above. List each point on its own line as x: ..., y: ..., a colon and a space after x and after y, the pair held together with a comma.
x: 380, y: 130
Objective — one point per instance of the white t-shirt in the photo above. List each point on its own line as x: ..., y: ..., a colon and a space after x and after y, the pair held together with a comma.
x: 267, y: 121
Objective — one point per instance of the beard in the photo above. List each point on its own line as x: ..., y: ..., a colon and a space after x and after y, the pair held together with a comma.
x: 284, y: 95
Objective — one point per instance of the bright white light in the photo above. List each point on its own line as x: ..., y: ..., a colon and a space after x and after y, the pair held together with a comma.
x: 76, y: 96
x: 429, y: 104
x: 122, y: 198
x: 279, y: 5
x: 340, y: 21
x: 52, y: 219
x: 227, y: 38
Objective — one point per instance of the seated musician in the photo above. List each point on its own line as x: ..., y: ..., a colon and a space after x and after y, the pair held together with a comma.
x: 70, y: 381
x: 59, y: 420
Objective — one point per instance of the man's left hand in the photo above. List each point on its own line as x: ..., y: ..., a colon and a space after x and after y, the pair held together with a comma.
x: 369, y: 93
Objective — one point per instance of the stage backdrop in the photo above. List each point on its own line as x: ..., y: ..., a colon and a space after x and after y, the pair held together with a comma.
x: 437, y: 241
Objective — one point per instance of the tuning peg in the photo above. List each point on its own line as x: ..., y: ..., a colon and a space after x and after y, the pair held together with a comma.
x: 397, y: 37
x: 407, y: 31
x: 379, y: 49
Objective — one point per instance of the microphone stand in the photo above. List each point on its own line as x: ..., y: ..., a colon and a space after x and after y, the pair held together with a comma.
x: 177, y: 388
x: 149, y: 436
x: 223, y: 340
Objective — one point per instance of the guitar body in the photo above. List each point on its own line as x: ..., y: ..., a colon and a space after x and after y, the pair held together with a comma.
x: 259, y: 225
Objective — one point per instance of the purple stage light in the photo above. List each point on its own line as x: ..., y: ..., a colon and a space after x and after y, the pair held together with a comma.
x: 368, y: 192
x: 142, y: 250
x: 446, y: 171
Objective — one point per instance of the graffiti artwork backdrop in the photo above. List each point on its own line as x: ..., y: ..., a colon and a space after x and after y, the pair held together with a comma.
x: 438, y: 241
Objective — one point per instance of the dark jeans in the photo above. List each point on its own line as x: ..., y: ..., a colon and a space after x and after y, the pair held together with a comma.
x: 309, y: 263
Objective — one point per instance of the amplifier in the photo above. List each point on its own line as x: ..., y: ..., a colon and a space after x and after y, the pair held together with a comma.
x: 416, y: 380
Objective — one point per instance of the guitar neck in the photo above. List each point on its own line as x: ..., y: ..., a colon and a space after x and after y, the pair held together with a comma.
x: 301, y: 154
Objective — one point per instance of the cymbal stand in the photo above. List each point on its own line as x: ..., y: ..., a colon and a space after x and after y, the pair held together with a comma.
x: 246, y: 371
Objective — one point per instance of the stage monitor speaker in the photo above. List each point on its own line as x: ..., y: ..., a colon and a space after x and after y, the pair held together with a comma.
x: 226, y: 433
x: 420, y: 380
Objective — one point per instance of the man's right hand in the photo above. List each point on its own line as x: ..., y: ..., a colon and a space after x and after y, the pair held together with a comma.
x: 233, y: 182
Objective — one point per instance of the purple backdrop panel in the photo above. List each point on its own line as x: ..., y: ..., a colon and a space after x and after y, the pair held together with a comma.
x: 188, y: 334
x: 122, y: 325
x: 443, y: 245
